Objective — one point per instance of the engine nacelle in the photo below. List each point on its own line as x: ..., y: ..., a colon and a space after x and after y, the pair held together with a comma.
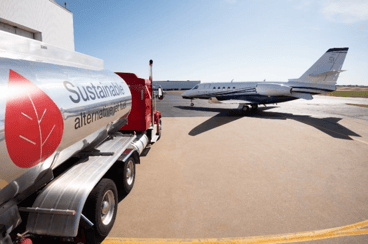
x: 273, y: 90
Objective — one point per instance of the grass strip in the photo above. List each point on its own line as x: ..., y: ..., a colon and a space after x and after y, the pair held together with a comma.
x: 363, y: 94
x: 359, y: 105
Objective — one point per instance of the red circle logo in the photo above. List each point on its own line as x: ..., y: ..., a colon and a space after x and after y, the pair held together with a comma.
x: 33, y: 123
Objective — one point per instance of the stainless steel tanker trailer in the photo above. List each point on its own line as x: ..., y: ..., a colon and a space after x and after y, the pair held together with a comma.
x: 71, y: 133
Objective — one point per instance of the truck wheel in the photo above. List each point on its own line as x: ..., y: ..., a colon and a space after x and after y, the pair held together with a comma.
x: 128, y: 175
x: 159, y: 129
x: 101, y: 208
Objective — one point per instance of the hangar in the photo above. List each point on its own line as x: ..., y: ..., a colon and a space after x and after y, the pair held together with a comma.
x: 176, y: 85
x: 28, y: 19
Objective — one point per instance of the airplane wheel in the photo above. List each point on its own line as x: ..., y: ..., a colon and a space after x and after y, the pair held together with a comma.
x: 192, y: 104
x: 245, y: 108
x: 254, y: 106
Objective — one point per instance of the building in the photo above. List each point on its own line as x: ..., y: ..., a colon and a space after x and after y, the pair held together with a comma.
x: 42, y: 31
x: 42, y: 20
x: 176, y: 85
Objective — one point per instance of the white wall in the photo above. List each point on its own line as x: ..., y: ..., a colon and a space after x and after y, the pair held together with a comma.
x: 50, y: 22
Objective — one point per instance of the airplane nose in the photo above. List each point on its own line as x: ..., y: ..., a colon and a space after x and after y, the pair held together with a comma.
x: 185, y: 95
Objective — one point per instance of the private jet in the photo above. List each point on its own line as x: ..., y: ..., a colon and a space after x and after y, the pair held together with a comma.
x: 320, y: 78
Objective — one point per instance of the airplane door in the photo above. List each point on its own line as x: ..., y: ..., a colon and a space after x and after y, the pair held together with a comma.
x: 207, y: 88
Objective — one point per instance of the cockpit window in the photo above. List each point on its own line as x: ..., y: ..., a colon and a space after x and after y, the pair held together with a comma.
x: 196, y: 87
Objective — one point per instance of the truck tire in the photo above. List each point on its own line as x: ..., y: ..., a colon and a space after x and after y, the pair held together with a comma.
x: 160, y: 129
x: 128, y: 175
x: 101, y: 208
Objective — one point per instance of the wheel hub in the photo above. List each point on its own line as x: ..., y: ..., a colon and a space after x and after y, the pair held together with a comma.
x: 130, y: 172
x: 107, y: 207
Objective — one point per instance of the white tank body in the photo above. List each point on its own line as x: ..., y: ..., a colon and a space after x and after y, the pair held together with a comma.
x: 50, y: 112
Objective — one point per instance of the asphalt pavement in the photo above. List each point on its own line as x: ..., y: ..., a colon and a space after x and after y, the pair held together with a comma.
x: 294, y: 167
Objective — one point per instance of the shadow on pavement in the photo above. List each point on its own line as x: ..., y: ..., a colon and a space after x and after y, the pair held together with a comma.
x: 223, y: 117
x: 329, y: 126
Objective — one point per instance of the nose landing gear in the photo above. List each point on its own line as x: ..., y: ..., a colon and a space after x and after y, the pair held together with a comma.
x: 191, y: 103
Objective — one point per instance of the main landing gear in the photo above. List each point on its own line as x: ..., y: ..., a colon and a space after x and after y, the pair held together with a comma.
x: 246, y: 108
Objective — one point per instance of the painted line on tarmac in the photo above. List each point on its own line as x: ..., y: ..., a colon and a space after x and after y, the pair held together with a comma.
x: 348, y: 230
x: 355, y: 139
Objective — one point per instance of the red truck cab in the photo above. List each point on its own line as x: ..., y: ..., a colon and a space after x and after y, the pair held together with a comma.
x: 143, y: 117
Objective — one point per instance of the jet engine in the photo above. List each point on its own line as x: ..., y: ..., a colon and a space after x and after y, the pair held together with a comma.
x: 273, y: 90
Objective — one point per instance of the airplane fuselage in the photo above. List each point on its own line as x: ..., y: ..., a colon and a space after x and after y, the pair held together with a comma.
x: 250, y: 93
x: 320, y: 78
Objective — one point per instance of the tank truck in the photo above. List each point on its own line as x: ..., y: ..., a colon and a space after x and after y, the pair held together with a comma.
x: 71, y: 133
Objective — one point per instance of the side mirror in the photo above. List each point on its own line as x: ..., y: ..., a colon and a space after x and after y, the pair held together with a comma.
x: 160, y: 93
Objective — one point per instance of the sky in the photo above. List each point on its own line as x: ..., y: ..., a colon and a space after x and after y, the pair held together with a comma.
x: 222, y: 40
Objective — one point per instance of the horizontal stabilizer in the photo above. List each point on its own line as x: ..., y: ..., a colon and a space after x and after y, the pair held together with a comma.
x: 332, y: 72
x: 305, y: 96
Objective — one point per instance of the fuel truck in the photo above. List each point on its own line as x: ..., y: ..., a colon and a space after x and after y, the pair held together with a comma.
x: 71, y: 134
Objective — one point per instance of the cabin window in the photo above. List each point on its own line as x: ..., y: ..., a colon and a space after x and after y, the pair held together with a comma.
x: 228, y: 87
x: 218, y: 87
x: 234, y: 87
x: 214, y: 87
x: 223, y: 87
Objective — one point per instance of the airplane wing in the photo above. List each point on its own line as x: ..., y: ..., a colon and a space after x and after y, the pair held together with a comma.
x: 214, y: 100
x: 235, y: 102
x: 305, y: 96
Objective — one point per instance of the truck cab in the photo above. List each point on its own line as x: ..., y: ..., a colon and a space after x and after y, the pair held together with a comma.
x: 143, y: 117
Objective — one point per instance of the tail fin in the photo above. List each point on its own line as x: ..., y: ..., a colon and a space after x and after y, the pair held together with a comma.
x: 327, y: 69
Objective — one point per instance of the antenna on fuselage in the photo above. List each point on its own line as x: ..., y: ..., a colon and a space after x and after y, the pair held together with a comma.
x: 232, y: 80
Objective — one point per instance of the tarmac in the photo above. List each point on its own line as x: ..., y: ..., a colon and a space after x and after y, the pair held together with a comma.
x: 290, y: 171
